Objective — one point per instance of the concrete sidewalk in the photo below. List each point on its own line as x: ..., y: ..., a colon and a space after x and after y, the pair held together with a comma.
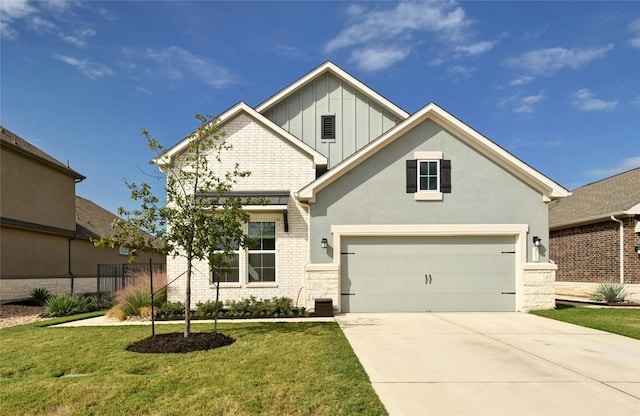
x: 104, y: 321
x: 494, y: 364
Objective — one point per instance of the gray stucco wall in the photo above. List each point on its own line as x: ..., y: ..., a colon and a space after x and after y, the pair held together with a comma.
x: 375, y: 193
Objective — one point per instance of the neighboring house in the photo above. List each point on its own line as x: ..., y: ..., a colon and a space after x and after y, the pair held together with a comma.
x: 379, y: 210
x: 595, y: 236
x: 45, y: 227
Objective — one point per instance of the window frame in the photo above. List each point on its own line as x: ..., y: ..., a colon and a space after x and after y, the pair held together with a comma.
x: 261, y: 251
x: 428, y: 175
x: 332, y: 133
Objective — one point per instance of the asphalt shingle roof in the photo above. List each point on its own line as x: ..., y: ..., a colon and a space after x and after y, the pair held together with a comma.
x: 610, y: 196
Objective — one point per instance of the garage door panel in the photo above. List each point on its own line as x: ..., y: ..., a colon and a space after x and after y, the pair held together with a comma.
x: 428, y: 274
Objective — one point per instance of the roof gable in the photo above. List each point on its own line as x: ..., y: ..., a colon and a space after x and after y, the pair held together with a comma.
x: 618, y: 195
x: 548, y: 188
x: 330, y: 67
x: 233, y: 112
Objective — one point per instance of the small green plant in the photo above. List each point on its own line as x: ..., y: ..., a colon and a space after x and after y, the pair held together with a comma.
x: 135, y: 300
x: 99, y: 301
x: 65, y: 305
x: 609, y: 292
x: 40, y: 295
x: 208, y: 309
x: 171, y: 310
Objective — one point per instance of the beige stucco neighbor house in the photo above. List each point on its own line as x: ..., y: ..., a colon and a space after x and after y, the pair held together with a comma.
x: 376, y: 209
x: 45, y: 228
x: 595, y: 236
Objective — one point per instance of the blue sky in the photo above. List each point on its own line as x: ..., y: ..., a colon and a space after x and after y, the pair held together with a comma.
x: 555, y: 83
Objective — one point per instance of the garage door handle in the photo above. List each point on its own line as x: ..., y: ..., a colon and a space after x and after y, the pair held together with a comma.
x: 427, y: 279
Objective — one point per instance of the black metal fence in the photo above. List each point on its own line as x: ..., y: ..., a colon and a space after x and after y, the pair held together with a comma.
x: 113, y: 277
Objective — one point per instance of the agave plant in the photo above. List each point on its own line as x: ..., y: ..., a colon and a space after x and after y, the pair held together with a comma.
x: 40, y: 295
x: 609, y: 292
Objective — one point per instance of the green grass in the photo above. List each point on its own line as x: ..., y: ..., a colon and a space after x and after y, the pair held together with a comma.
x: 622, y: 321
x: 271, y: 369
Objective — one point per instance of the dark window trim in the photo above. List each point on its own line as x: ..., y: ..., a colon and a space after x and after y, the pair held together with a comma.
x: 328, y: 127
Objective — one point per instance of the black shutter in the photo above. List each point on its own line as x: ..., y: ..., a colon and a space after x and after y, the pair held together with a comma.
x: 445, y: 176
x: 412, y: 176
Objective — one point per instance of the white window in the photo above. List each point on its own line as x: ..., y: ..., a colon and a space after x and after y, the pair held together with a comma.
x: 262, y: 252
x: 428, y: 175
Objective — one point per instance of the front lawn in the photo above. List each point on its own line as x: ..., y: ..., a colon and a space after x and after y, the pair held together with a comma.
x: 621, y: 320
x: 271, y: 369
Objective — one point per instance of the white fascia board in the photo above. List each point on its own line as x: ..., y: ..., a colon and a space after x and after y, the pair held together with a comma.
x: 546, y: 186
x: 231, y: 113
x: 344, y: 76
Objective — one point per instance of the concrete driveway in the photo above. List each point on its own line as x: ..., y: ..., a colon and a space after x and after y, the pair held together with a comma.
x: 494, y: 364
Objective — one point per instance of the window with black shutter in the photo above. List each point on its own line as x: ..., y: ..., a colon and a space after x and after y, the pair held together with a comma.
x: 428, y: 177
x: 328, y: 127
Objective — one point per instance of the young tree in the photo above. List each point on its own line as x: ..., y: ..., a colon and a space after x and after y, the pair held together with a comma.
x: 198, y: 222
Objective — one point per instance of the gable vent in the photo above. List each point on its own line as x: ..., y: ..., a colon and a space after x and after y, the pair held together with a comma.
x: 328, y: 127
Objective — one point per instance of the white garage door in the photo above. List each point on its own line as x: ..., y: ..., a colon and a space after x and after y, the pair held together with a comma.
x: 418, y: 274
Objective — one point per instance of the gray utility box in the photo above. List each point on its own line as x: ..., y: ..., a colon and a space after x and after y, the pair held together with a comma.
x: 324, y: 307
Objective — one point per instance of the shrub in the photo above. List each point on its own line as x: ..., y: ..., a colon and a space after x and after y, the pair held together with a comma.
x: 65, y: 305
x: 40, y: 295
x: 609, y: 292
x: 171, y: 310
x: 136, y: 294
x: 254, y: 308
x: 99, y: 301
x: 117, y: 313
x: 208, y: 309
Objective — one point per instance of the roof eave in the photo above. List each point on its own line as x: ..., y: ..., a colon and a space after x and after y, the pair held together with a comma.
x: 330, y: 67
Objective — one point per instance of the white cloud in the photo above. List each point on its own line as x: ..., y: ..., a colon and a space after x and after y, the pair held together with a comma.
x: 15, y: 9
x: 373, y: 34
x: 465, y: 71
x: 477, y: 48
x: 11, y: 10
x: 525, y: 105
x: 584, y: 100
x: 79, y: 37
x: 374, y: 59
x: 41, y: 25
x: 176, y: 62
x: 546, y: 62
x: 634, y: 28
x: 87, y: 68
x: 520, y: 104
x: 624, y: 165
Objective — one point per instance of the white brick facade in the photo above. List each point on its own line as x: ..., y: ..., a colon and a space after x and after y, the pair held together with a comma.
x: 274, y: 164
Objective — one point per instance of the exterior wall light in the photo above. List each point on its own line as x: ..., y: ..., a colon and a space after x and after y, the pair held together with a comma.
x: 637, y: 248
x: 324, y: 243
x: 536, y: 241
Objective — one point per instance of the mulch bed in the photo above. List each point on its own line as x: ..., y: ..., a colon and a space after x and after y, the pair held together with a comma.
x: 175, y: 342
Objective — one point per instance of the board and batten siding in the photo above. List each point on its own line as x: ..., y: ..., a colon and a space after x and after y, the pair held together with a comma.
x: 358, y: 119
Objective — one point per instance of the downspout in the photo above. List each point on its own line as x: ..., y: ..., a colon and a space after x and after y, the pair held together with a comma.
x: 69, y: 265
x: 621, y: 248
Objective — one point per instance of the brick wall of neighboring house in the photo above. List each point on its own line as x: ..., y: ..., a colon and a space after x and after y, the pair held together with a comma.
x: 590, y: 253
x: 631, y: 258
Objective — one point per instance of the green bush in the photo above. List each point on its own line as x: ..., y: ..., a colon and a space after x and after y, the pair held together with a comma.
x: 255, y: 308
x: 609, y: 292
x: 135, y: 300
x: 171, y: 310
x: 40, y: 295
x: 65, y: 305
x: 99, y: 302
x: 208, y: 309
